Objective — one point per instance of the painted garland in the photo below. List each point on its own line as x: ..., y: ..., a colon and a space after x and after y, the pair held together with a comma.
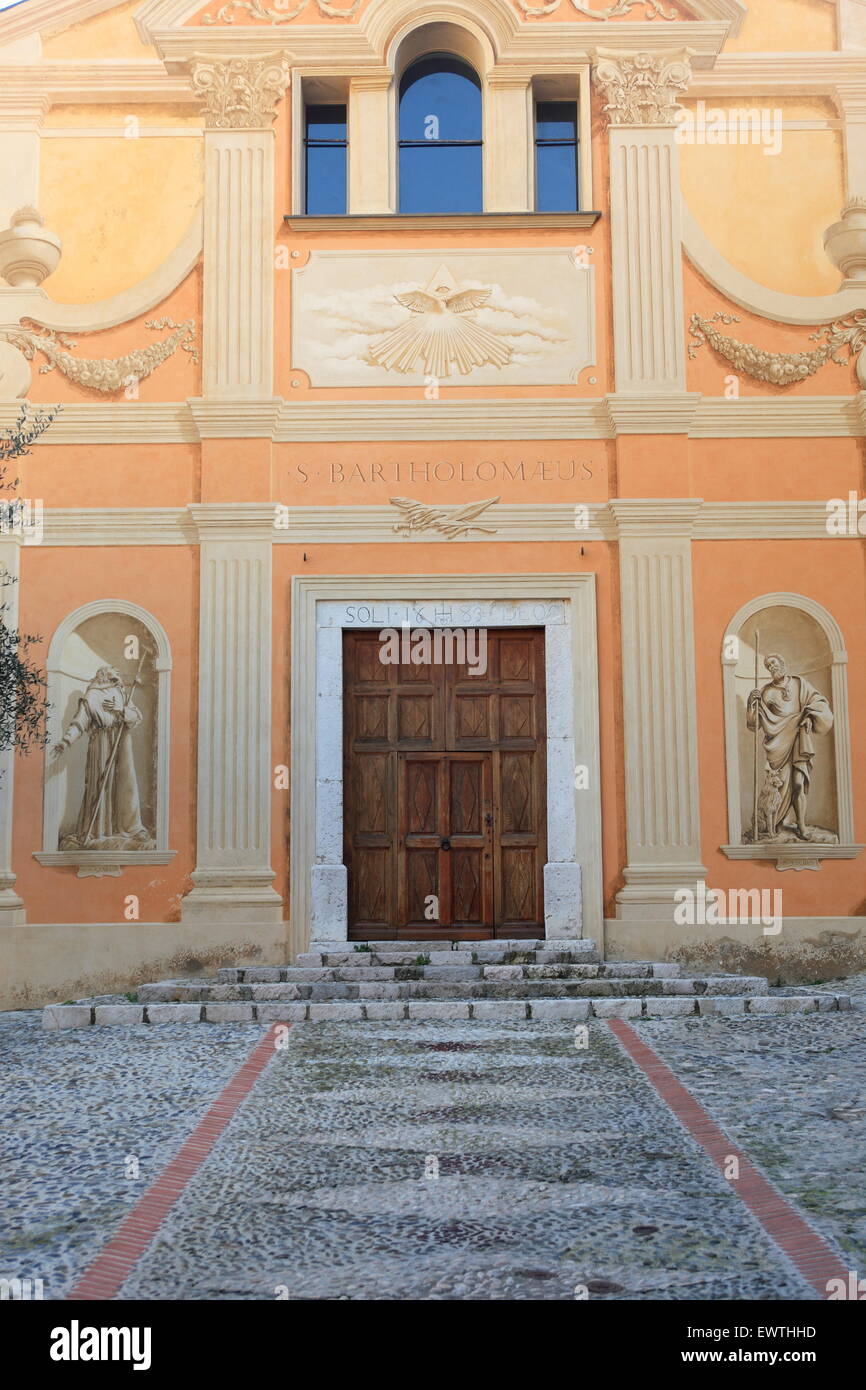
x: 784, y: 368
x: 105, y: 374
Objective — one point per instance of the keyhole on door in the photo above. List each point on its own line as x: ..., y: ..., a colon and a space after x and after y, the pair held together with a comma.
x: 446, y: 844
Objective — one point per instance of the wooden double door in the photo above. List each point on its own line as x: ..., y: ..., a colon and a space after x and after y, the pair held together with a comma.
x: 444, y: 790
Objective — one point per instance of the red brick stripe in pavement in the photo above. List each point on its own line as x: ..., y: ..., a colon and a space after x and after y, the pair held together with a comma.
x: 811, y: 1254
x: 109, y: 1271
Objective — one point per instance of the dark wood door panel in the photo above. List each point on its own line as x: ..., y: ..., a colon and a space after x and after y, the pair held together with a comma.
x: 444, y: 769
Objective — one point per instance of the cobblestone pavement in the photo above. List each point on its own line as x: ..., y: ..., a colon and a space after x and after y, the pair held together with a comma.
x: 557, y: 1166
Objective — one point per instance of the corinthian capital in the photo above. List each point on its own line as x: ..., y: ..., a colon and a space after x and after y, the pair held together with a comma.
x: 642, y: 88
x: 240, y: 93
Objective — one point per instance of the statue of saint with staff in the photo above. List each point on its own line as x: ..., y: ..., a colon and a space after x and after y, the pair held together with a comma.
x: 788, y: 712
x: 110, y: 814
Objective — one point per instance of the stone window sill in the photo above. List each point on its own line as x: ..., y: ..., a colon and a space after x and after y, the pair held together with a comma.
x: 441, y: 222
x: 803, y: 856
x: 102, y: 863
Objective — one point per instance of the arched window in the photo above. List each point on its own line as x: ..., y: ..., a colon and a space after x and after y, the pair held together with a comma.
x: 440, y: 137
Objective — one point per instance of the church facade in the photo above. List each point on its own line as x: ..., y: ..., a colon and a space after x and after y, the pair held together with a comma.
x: 443, y: 505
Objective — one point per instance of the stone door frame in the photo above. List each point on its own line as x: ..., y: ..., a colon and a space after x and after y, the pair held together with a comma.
x: 564, y: 606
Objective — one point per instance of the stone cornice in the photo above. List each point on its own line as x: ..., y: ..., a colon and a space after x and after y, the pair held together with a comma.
x: 342, y: 49
x: 49, y: 16
x: 63, y: 80
x: 647, y: 412
x: 778, y: 74
x: 594, y: 418
x: 650, y: 518
x: 530, y: 522
x: 346, y: 46
x: 241, y: 521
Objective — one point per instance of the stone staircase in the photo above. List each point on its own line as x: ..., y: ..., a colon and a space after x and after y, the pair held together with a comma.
x: 500, y: 980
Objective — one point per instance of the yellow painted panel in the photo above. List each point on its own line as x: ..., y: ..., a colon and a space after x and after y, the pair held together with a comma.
x: 77, y: 116
x: 767, y: 213
x: 110, y: 35
x: 119, y: 206
x: 786, y: 26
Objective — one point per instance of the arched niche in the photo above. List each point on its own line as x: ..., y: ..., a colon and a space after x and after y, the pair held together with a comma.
x: 811, y: 644
x: 466, y: 40
x: 78, y: 830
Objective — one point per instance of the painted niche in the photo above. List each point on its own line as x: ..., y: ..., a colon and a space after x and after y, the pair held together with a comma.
x: 787, y: 736
x: 106, y: 769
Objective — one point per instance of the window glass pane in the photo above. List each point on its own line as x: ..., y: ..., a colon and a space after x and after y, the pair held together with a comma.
x: 440, y: 99
x: 556, y: 179
x: 325, y: 172
x: 440, y: 166
x: 444, y: 178
x: 326, y: 123
x: 556, y: 120
x: 556, y: 156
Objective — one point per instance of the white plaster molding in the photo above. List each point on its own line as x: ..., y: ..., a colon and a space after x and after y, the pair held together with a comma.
x: 12, y: 911
x: 532, y: 522
x: 646, y: 235
x: 497, y: 418
x: 757, y: 298
x: 116, y: 422
x: 783, y: 520
x: 123, y: 526
x: 660, y: 703
x: 102, y: 863
x: 566, y: 603
x: 117, y: 308
x: 653, y: 412
x: 49, y: 16
x: 233, y: 521
x: 238, y: 263
x: 54, y: 788
x: 590, y: 418
x: 516, y: 521
x: 795, y: 74
x: 233, y: 878
x: 768, y: 417
x: 838, y: 660
x: 68, y: 80
x: 383, y: 23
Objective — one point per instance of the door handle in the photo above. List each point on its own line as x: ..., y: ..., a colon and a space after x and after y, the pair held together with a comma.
x: 446, y: 844
x: 488, y: 819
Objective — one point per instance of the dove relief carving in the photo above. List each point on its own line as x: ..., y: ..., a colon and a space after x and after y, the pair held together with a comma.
x: 440, y: 335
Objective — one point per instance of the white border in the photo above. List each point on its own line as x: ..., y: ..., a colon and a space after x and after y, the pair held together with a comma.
x: 566, y: 610
x: 55, y: 776
x: 841, y: 732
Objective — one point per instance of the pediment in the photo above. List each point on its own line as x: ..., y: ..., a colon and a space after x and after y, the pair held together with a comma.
x: 504, y: 18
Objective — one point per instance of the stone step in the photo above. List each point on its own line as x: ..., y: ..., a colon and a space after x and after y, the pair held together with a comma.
x: 177, y: 991
x: 581, y: 948
x: 296, y: 974
x: 84, y: 1015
